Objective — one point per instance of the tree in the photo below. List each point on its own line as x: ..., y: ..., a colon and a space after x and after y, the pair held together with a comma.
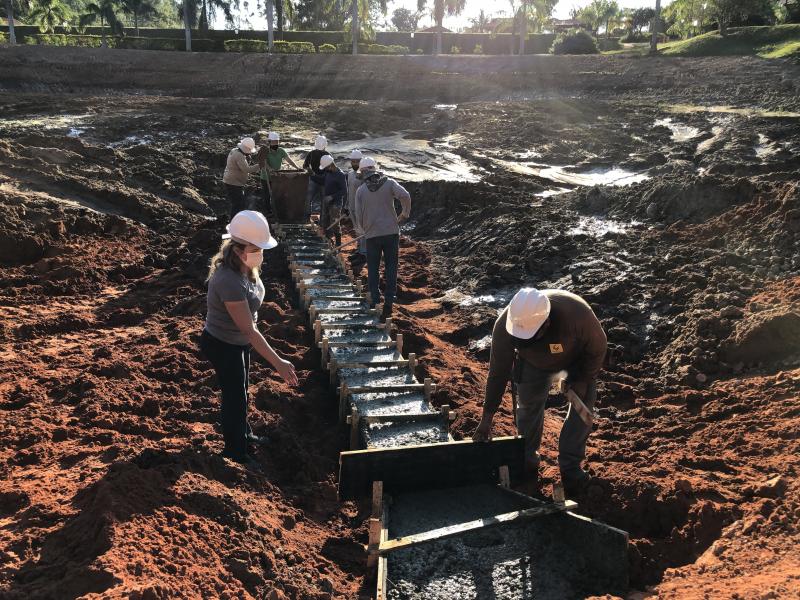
x: 360, y: 26
x: 12, y: 7
x: 106, y: 11
x: 208, y: 12
x: 538, y: 12
x: 589, y: 18
x: 440, y: 8
x: 480, y: 23
x: 138, y: 8
x: 49, y: 14
x: 406, y: 20
x: 641, y: 17
x: 610, y: 12
x: 654, y: 28
x: 727, y: 11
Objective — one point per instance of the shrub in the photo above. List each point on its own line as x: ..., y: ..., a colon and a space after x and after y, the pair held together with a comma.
x: 455, y: 50
x: 3, y: 37
x: 606, y: 44
x: 246, y: 45
x: 60, y: 39
x: 327, y: 49
x: 478, y: 49
x: 372, y: 49
x: 576, y: 41
x: 283, y: 47
x: 398, y: 49
x: 634, y: 38
x: 420, y: 51
x: 145, y: 43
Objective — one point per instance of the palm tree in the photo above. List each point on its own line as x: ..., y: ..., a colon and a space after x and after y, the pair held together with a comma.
x: 610, y: 13
x: 539, y: 12
x: 49, y: 14
x: 105, y: 10
x: 208, y: 11
x: 138, y: 8
x: 284, y: 9
x: 440, y: 7
x: 480, y: 23
x: 11, y: 5
x: 360, y: 11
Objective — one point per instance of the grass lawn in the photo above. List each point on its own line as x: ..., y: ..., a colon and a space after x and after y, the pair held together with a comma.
x: 780, y: 41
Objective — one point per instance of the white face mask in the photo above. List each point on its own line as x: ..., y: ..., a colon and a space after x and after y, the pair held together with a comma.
x: 253, y: 260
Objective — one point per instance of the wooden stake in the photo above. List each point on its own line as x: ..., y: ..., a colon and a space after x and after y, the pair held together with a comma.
x: 428, y: 388
x: 377, y: 498
x: 444, y: 410
x: 317, y: 331
x: 558, y: 493
x: 374, y: 542
x: 399, y: 342
x: 412, y: 362
x: 325, y: 353
x: 353, y: 428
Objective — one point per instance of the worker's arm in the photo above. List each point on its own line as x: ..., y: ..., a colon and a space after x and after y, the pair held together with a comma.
x: 291, y: 162
x: 400, y: 193
x: 241, y: 315
x: 242, y: 163
x: 501, y: 363
x: 358, y: 212
x: 590, y: 361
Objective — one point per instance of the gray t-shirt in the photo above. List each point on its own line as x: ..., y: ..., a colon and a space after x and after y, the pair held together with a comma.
x: 227, y: 285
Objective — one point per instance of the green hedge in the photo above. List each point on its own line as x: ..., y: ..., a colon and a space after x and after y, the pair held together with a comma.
x: 282, y: 47
x: 278, y: 46
x: 606, y: 44
x: 3, y: 37
x: 576, y: 41
x: 127, y: 43
x: 327, y: 49
x: 59, y: 39
x: 245, y: 46
x: 373, y: 49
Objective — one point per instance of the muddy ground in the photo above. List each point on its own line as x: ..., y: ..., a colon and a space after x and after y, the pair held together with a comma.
x: 111, y: 486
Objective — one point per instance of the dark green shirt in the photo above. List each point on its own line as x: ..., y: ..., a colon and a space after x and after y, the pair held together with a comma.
x: 275, y: 159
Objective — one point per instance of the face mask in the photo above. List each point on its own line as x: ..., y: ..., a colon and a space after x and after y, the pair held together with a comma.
x: 253, y: 260
x: 273, y: 148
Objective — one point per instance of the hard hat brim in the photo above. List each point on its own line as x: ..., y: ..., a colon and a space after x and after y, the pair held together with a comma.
x: 523, y: 333
x: 268, y: 245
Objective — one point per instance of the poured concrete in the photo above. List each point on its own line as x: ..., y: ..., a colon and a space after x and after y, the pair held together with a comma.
x: 553, y: 557
x: 390, y: 403
x: 377, y: 376
x: 350, y: 319
x: 388, y: 435
x: 358, y: 336
x: 363, y: 355
x: 340, y: 304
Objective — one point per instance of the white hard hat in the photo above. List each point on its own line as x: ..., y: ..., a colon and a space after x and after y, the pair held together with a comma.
x: 326, y: 161
x: 273, y: 137
x: 251, y: 227
x: 356, y: 155
x: 367, y: 163
x: 529, y: 308
x: 248, y: 145
x: 321, y: 142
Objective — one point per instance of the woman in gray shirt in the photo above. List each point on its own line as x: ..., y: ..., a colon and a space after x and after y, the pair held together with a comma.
x: 235, y: 293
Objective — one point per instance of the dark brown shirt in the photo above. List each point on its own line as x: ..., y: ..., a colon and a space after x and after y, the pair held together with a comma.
x: 574, y: 341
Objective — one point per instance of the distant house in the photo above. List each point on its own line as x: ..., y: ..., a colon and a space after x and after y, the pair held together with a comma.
x: 564, y: 24
x: 434, y: 29
x: 4, y: 22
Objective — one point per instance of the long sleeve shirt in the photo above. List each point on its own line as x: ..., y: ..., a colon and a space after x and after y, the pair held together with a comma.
x: 237, y: 168
x: 574, y: 341
x: 335, y: 184
x: 353, y: 183
x: 375, y: 213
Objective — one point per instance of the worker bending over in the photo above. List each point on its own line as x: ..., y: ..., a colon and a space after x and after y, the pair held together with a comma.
x: 375, y: 215
x: 237, y: 169
x: 539, y: 334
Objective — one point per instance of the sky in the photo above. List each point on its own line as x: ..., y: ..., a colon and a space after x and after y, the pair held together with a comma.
x: 490, y: 7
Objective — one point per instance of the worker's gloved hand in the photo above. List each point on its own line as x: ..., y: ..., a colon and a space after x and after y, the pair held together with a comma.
x: 483, y: 433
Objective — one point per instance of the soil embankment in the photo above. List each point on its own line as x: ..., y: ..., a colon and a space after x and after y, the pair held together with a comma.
x: 110, y: 484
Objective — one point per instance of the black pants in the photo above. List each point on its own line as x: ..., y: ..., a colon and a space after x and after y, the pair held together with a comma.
x: 389, y: 247
x: 232, y: 364
x: 235, y: 197
x: 266, y: 197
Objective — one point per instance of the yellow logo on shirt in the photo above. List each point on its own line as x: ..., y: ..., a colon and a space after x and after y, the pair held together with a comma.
x: 556, y: 348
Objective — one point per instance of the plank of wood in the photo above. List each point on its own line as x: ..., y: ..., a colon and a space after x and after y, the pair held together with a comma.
x: 446, y: 464
x: 450, y: 531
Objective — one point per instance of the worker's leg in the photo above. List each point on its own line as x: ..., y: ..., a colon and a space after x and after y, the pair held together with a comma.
x: 532, y: 387
x: 391, y: 256
x: 266, y: 197
x: 373, y: 269
x: 572, y: 441
x: 334, y: 215
x: 310, y: 194
x: 231, y: 368
x: 324, y: 215
x: 235, y: 195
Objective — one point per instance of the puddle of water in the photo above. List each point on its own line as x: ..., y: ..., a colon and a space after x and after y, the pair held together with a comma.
x: 411, y: 159
x: 680, y: 132
x: 552, y: 192
x: 733, y: 110
x: 614, y: 176
x: 445, y: 106
x: 765, y: 148
x: 597, y: 227
x: 47, y: 121
x: 132, y: 140
x: 529, y: 154
x: 705, y: 145
x: 74, y: 132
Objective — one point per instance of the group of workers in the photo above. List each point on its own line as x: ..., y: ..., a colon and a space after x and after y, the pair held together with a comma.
x: 542, y: 336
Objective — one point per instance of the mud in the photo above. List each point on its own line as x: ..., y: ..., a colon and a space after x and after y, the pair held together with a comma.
x: 110, y: 481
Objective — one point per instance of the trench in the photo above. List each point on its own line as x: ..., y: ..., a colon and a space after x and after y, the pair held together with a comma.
x: 435, y: 533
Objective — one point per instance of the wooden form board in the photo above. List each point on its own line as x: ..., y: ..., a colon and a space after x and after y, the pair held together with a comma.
x: 448, y: 464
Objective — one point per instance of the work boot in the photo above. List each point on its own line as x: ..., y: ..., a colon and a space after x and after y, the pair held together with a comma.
x: 246, y: 461
x: 575, y: 482
x: 386, y: 312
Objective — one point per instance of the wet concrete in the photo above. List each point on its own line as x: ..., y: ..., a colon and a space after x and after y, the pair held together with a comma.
x: 390, y: 403
x: 377, y: 376
x: 389, y: 434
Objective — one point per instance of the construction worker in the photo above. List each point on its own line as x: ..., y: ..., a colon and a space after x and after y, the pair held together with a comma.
x: 538, y: 335
x: 235, y: 293
x: 311, y: 164
x: 359, y: 255
x: 376, y: 216
x: 237, y: 169
x: 273, y: 154
x: 334, y: 185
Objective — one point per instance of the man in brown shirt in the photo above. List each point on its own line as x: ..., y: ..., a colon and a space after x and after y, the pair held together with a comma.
x: 538, y: 335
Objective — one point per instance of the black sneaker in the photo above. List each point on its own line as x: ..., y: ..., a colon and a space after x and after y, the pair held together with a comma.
x: 575, y: 483
x: 244, y: 460
x: 386, y: 312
